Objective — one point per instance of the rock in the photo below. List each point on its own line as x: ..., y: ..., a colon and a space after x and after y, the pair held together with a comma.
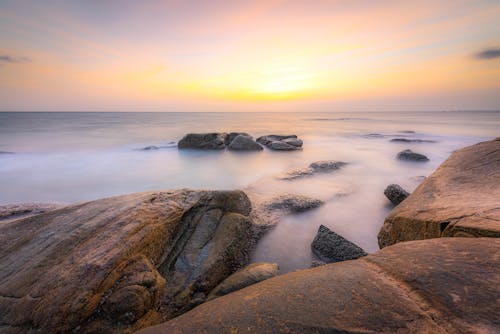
x: 407, y: 131
x: 459, y: 199
x: 121, y: 263
x: 230, y: 137
x: 409, y: 155
x: 205, y: 141
x: 317, y: 167
x: 395, y: 193
x: 23, y: 210
x: 244, y: 143
x: 431, y: 286
x: 331, y: 247
x: 407, y: 140
x: 293, y: 203
x: 281, y: 143
x: 6, y: 152
x: 251, y: 274
x: 317, y: 263
x: 150, y: 148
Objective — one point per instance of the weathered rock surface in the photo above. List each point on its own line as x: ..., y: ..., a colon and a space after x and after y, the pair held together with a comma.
x: 205, y: 141
x: 293, y: 203
x: 329, y: 247
x: 432, y: 286
x: 23, y: 210
x: 121, y: 263
x: 409, y: 155
x: 281, y: 143
x: 395, y: 193
x: 251, y: 274
x: 409, y: 140
x: 317, y: 167
x: 244, y: 143
x: 461, y: 198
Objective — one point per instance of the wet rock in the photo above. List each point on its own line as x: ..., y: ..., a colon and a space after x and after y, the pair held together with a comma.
x: 325, y: 166
x: 121, y: 263
x: 281, y: 143
x: 408, y: 140
x: 293, y: 141
x: 251, y: 274
x: 409, y: 155
x: 244, y: 143
x: 331, y: 247
x: 429, y: 286
x: 459, y: 199
x: 204, y: 141
x: 293, y: 203
x: 395, y: 193
x: 230, y: 137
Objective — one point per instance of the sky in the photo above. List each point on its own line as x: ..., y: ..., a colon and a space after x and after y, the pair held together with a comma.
x: 372, y: 55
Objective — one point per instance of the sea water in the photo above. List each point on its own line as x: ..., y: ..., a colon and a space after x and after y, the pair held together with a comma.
x: 75, y: 157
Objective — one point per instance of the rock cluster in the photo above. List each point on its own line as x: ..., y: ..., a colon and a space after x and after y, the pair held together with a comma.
x: 281, y: 143
x: 409, y: 155
x: 236, y: 141
x: 329, y: 247
x: 318, y: 167
x: 395, y: 193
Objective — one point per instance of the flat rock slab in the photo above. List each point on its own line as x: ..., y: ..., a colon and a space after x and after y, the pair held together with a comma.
x: 461, y: 198
x: 433, y: 286
x: 121, y: 263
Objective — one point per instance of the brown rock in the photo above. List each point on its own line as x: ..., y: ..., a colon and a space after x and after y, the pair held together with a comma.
x: 432, y: 286
x: 461, y: 198
x: 121, y: 263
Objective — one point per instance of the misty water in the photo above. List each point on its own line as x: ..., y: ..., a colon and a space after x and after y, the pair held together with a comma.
x: 74, y: 157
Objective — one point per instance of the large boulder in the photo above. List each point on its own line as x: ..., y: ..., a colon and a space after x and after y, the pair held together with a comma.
x: 329, y: 247
x: 318, y: 167
x: 204, y: 141
x: 244, y: 143
x: 230, y: 137
x: 395, y: 193
x: 459, y: 199
x: 251, y: 274
x: 121, y: 263
x: 409, y: 155
x: 432, y: 286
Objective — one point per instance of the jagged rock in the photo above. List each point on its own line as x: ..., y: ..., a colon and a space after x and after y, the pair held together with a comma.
x: 205, y: 141
x: 331, y: 247
x: 121, y: 263
x: 317, y: 167
x: 230, y: 137
x: 459, y: 199
x: 395, y: 193
x: 251, y: 274
x: 430, y: 286
x: 407, y: 140
x: 293, y: 203
x: 244, y: 143
x: 23, y: 210
x: 281, y: 143
x: 411, y: 156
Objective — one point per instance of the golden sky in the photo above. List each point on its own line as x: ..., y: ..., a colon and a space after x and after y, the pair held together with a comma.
x: 249, y: 55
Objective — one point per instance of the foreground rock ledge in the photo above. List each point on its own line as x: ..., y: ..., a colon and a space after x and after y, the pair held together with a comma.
x: 121, y: 263
x: 461, y: 198
x: 447, y: 285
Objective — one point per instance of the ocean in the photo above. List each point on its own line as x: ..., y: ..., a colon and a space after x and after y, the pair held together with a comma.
x: 75, y: 157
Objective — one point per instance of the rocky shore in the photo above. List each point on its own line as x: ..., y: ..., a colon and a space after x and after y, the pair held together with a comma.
x: 179, y: 260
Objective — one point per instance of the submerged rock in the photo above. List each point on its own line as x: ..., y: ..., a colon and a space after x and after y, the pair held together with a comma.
x: 293, y: 203
x: 408, y: 140
x: 411, y: 156
x: 395, y: 193
x: 429, y: 286
x: 121, y: 263
x: 205, y: 141
x: 331, y: 247
x: 244, y: 143
x: 281, y: 143
x: 150, y: 148
x: 317, y: 167
x: 459, y: 199
x: 251, y: 274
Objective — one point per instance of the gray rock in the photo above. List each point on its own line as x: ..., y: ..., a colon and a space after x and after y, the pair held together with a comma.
x: 204, y: 141
x: 150, y: 148
x: 281, y: 143
x: 395, y: 193
x: 251, y: 274
x: 409, y: 155
x: 293, y: 203
x: 230, y: 137
x: 317, y: 263
x: 331, y: 247
x: 293, y: 141
x: 318, y: 167
x: 282, y: 146
x: 244, y: 143
x: 407, y: 140
x: 265, y: 140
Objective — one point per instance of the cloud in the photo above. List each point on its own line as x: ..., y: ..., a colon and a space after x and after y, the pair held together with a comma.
x: 488, y: 54
x: 11, y: 59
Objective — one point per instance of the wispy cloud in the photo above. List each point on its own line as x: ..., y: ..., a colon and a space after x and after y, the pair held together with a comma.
x: 4, y: 58
x: 488, y: 54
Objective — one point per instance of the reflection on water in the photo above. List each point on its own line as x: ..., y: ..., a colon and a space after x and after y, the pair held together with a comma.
x: 68, y: 158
